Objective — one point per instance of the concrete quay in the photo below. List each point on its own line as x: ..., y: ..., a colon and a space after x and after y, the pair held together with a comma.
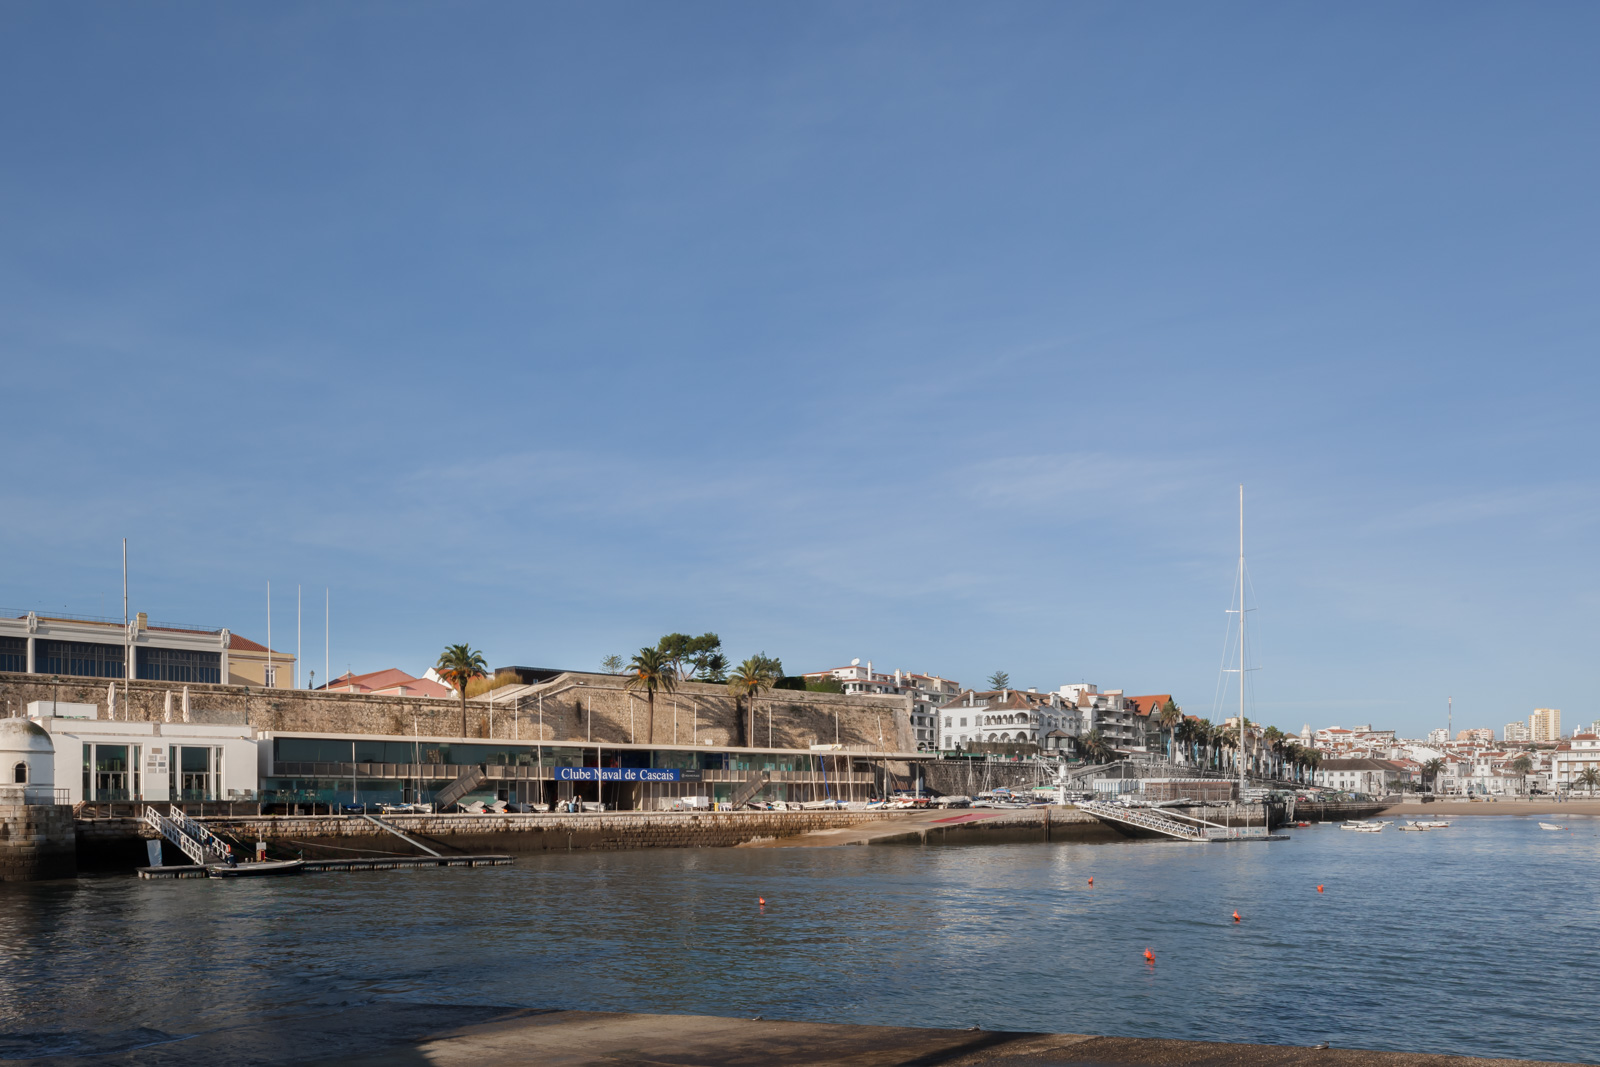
x: 592, y: 1039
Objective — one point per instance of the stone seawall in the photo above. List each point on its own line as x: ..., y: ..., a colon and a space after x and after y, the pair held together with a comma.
x: 36, y: 842
x: 118, y: 843
x: 574, y: 706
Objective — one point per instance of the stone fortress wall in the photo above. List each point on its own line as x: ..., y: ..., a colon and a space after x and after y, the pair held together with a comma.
x: 576, y: 706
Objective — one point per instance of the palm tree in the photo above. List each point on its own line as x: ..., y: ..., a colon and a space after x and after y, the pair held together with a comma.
x: 1095, y: 748
x: 1590, y: 779
x: 1430, y: 772
x: 651, y: 670
x: 748, y: 680
x: 1171, y: 715
x: 458, y: 665
x: 1521, y: 766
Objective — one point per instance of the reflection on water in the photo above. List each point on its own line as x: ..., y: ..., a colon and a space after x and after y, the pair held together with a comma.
x: 1474, y: 940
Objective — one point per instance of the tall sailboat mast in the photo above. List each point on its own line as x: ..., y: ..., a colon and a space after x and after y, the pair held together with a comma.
x: 1243, y: 736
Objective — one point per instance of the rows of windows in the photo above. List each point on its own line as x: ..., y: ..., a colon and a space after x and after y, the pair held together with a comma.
x: 78, y: 659
x: 332, y: 750
x: 13, y: 654
x: 179, y: 665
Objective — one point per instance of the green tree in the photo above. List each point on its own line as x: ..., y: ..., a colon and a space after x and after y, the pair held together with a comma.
x: 458, y: 665
x: 999, y: 680
x: 715, y: 669
x: 747, y: 681
x: 1589, y: 778
x: 612, y: 664
x: 652, y: 671
x: 691, y: 656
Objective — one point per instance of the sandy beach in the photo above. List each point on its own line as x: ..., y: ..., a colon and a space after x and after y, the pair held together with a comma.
x: 1536, y: 806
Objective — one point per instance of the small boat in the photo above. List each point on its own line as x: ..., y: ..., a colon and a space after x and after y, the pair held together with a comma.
x: 254, y: 870
x: 1433, y: 824
x: 1411, y: 826
x: 1370, y: 828
x: 1550, y: 826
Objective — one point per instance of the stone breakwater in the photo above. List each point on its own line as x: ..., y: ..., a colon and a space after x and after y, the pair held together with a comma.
x: 581, y: 1038
x: 36, y: 842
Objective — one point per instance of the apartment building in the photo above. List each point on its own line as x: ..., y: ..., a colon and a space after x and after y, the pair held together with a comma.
x: 1544, y: 724
x: 1516, y: 732
x: 1573, y: 758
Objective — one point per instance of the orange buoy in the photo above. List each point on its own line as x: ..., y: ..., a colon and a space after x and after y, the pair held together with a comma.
x: 1235, y: 916
x: 1319, y: 889
x: 1091, y: 881
x: 1149, y: 957
x: 762, y: 901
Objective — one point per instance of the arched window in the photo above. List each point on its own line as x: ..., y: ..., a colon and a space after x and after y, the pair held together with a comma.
x: 19, y: 774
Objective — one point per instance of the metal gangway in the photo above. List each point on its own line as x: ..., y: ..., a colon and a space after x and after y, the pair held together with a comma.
x: 189, y: 835
x: 1170, y: 823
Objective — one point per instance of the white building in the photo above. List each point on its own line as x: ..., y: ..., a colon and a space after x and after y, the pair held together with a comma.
x: 1516, y: 732
x: 1440, y: 736
x: 1010, y: 717
x: 1373, y: 776
x: 1571, y: 760
x: 102, y: 760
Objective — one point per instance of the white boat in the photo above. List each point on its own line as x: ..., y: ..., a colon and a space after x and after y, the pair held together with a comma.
x: 1362, y: 824
x: 1550, y: 826
x: 1433, y: 824
x: 1411, y: 826
x: 1370, y: 828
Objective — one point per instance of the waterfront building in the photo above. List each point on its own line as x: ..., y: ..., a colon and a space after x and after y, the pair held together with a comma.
x: 306, y: 768
x: 1572, y: 758
x: 1119, y: 723
x: 98, y: 760
x: 1374, y: 776
x: 1544, y: 724
x: 84, y: 647
x: 1010, y: 717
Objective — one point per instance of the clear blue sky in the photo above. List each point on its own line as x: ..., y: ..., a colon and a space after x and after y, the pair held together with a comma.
x: 937, y: 334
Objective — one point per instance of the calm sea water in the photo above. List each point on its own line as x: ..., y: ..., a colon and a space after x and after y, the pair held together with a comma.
x: 1480, y: 939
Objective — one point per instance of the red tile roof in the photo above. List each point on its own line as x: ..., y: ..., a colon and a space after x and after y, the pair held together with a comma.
x: 244, y: 644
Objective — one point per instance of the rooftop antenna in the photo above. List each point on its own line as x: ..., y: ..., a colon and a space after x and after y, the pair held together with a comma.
x: 267, y: 678
x: 297, y: 638
x: 327, y: 642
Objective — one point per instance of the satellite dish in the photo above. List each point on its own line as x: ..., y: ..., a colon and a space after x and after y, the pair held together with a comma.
x: 856, y: 662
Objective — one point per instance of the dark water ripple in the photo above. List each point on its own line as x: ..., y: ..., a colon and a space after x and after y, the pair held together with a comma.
x: 1477, y: 940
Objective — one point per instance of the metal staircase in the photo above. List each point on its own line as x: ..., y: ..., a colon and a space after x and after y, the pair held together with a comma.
x: 1184, y: 828
x: 748, y: 788
x: 1144, y: 818
x: 198, y: 843
x: 472, y: 779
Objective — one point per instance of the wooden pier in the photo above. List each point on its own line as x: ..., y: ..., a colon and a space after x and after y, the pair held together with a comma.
x: 372, y: 863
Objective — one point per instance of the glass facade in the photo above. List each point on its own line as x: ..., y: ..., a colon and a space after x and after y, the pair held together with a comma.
x: 111, y: 772
x: 13, y: 654
x: 194, y: 772
x: 78, y: 659
x: 178, y: 665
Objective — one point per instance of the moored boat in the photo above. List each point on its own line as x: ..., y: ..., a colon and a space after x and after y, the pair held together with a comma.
x: 1550, y: 826
x: 254, y: 870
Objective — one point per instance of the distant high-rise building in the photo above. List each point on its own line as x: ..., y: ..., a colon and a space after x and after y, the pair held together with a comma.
x: 1478, y: 734
x: 1544, y: 724
x: 1439, y: 736
x: 1516, y: 731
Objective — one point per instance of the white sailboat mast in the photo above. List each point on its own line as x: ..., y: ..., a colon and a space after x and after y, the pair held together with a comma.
x: 1243, y: 741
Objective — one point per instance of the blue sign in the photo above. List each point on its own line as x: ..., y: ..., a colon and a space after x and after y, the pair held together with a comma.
x: 617, y: 774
